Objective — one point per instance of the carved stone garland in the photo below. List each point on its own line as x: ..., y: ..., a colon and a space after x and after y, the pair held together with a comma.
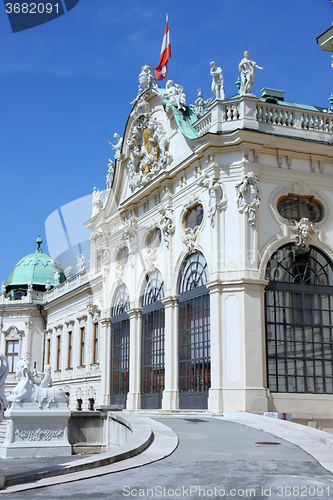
x: 148, y: 146
x: 248, y: 199
x: 166, y: 224
x: 214, y: 187
x: 102, y: 245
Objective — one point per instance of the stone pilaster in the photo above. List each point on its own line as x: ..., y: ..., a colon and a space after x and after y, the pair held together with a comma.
x: 105, y: 361
x: 170, y: 399
x: 134, y: 395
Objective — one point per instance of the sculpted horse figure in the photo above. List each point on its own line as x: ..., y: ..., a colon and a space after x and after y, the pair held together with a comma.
x: 28, y: 391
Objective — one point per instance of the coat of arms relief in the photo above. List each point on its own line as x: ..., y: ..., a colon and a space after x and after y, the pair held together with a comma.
x: 148, y: 146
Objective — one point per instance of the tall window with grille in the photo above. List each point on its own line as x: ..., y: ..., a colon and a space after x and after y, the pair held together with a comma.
x: 95, y: 344
x: 299, y: 321
x: 194, y: 333
x: 152, y: 342
x: 120, y: 346
x: 70, y: 350
x: 12, y: 353
x: 58, y: 351
x: 82, y: 340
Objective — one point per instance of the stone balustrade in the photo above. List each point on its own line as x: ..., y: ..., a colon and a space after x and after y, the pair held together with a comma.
x: 250, y: 112
x: 70, y: 284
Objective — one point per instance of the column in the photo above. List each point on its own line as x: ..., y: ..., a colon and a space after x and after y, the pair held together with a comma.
x: 134, y: 395
x: 215, y: 395
x: 104, y: 398
x: 27, y: 343
x: 170, y: 400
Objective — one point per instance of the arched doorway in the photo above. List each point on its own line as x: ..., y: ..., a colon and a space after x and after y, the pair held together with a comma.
x: 299, y: 321
x: 194, y: 333
x: 120, y: 345
x: 152, y: 342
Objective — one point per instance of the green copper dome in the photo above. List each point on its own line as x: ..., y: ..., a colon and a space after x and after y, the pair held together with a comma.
x: 36, y: 267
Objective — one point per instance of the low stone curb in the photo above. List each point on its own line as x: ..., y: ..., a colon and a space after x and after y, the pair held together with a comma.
x: 142, y: 436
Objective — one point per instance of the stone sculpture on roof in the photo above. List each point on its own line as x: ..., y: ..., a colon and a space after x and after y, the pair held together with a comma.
x: 176, y: 96
x: 247, y: 69
x: 117, y: 147
x: 217, y: 82
x: 200, y: 104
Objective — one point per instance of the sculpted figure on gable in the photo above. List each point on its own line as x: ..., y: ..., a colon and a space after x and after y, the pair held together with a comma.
x: 148, y: 147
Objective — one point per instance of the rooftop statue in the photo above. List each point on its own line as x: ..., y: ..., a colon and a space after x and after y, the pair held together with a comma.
x: 27, y: 390
x: 110, y: 174
x: 81, y: 265
x: 176, y: 96
x: 247, y: 69
x: 217, y: 82
x: 200, y: 104
x: 146, y: 78
x: 117, y: 147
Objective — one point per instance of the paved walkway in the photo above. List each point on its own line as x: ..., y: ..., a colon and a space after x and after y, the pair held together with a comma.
x: 215, y: 458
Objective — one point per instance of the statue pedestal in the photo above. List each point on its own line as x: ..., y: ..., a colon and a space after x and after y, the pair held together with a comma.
x: 36, y: 432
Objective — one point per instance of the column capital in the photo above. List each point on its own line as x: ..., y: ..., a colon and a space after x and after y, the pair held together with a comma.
x: 170, y: 301
x: 134, y: 312
x: 105, y: 322
x: 214, y: 286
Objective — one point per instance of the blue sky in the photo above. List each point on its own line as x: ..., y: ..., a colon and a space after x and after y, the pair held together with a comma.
x: 66, y: 87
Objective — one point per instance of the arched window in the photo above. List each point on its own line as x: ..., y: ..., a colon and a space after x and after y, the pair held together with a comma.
x: 152, y: 342
x: 299, y: 321
x: 194, y: 333
x: 120, y: 332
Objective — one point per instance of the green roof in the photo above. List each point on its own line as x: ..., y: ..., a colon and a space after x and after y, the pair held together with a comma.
x: 36, y: 267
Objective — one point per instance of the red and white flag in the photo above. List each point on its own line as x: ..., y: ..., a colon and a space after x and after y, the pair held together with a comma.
x: 162, y: 67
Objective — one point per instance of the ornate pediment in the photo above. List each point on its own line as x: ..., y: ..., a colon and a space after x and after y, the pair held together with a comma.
x: 148, y: 146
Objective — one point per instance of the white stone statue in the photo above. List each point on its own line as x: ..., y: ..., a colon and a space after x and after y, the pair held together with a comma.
x: 248, y: 196
x: 200, y: 104
x: 304, y: 230
x: 3, y: 289
x: 48, y: 285
x: 68, y: 272
x: 110, y: 174
x: 80, y: 266
x: 30, y: 286
x: 46, y: 374
x: 117, y: 147
x: 217, y: 82
x: 176, y: 96
x: 56, y: 277
x: 247, y: 69
x: 27, y: 390
x: 146, y: 78
x: 97, y: 202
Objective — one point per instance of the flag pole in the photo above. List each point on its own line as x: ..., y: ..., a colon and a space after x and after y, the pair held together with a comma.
x: 166, y: 75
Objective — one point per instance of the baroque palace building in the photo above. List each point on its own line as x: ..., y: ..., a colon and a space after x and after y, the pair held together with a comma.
x: 210, y: 283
